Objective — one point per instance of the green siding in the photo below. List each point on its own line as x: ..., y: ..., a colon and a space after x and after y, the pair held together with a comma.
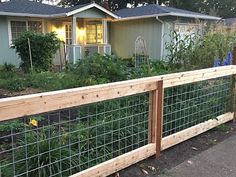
x: 7, y: 55
x: 91, y: 13
x: 124, y: 33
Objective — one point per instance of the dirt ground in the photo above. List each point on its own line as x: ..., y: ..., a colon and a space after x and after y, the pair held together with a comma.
x: 174, y: 156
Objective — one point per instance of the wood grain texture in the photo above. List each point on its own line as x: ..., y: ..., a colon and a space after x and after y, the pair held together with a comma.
x: 114, y: 165
x: 191, y: 132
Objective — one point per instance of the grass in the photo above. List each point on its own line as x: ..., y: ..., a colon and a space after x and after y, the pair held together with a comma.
x: 222, y: 128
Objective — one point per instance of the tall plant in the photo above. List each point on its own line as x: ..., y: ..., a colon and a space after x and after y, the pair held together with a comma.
x: 193, y: 52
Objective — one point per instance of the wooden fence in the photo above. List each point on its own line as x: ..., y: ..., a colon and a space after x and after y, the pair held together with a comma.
x: 16, y: 107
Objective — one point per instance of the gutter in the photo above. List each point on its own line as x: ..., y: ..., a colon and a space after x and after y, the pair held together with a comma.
x: 205, y: 17
x: 136, y: 17
x: 31, y: 15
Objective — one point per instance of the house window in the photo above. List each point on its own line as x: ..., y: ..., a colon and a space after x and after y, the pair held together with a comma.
x: 94, y: 32
x: 184, y: 30
x: 17, y: 27
x: 68, y: 30
x: 35, y: 26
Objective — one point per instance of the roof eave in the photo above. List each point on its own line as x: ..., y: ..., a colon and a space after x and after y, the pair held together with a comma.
x: 31, y: 15
x: 206, y: 17
x: 135, y: 17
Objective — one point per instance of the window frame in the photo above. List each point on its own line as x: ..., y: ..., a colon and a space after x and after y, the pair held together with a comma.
x: 65, y: 37
x: 96, y: 22
x: 26, y: 20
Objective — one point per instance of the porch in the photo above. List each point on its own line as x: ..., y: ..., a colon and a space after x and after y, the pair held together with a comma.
x: 82, y: 36
x: 79, y: 51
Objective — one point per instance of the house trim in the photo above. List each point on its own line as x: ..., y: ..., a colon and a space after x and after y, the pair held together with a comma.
x: 91, y: 6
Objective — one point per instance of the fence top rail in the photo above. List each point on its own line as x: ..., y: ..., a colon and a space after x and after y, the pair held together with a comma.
x: 20, y: 106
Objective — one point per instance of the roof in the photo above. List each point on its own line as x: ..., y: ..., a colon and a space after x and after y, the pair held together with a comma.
x: 36, y: 9
x: 157, y: 10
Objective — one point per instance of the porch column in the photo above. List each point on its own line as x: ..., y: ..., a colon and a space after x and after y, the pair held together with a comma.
x: 105, y: 33
x: 73, y: 30
x: 74, y: 37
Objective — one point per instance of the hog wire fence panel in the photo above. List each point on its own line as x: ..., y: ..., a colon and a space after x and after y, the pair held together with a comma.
x: 63, y: 142
x: 190, y: 104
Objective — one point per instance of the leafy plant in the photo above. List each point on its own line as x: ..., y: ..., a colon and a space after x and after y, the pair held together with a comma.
x: 43, y: 47
x: 8, y: 67
x: 40, y: 161
x: 15, y: 125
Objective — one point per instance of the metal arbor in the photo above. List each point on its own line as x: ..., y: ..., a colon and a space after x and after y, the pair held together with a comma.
x: 141, y: 54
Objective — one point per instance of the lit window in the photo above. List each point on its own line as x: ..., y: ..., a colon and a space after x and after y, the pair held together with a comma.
x: 94, y: 32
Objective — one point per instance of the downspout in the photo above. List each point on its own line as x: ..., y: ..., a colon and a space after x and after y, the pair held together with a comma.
x: 162, y: 36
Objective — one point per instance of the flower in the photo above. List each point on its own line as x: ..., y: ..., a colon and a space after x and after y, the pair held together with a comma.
x: 33, y: 122
x: 217, y: 63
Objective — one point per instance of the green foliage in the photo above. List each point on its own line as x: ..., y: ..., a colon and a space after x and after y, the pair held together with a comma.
x: 50, y: 81
x: 39, y: 143
x: 99, y: 69
x: 15, y: 125
x: 196, y: 51
x: 8, y: 67
x: 43, y: 47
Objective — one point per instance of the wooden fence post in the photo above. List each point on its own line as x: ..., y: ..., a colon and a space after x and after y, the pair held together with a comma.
x: 159, y: 122
x: 234, y: 84
x: 156, y: 117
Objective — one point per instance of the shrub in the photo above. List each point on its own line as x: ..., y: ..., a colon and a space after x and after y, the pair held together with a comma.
x: 99, y: 69
x: 43, y: 47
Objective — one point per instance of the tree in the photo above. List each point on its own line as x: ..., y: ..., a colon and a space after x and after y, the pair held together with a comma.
x: 112, y: 4
x: 225, y: 9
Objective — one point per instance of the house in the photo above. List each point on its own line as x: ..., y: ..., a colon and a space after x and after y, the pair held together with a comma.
x: 154, y: 23
x: 90, y: 28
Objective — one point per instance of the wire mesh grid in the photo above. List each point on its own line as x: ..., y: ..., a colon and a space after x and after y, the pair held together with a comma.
x: 64, y: 142
x: 190, y: 104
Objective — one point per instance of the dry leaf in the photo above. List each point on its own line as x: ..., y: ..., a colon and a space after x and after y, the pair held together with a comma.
x: 190, y: 162
x: 144, y: 171
x: 152, y: 168
x: 117, y: 175
x: 194, y: 148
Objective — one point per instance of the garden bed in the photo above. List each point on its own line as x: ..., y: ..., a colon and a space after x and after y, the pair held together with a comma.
x: 176, y: 155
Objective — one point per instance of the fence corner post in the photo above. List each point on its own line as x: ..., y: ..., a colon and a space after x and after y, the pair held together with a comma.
x: 156, y: 117
x: 234, y: 84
